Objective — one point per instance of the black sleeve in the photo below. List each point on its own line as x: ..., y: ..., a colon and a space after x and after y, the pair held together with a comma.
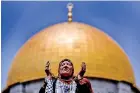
x: 83, y: 88
x: 42, y: 89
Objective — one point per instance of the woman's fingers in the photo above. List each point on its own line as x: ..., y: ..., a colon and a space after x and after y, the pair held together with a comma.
x: 83, y: 66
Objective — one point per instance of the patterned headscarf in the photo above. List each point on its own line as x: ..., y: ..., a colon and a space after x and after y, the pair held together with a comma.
x: 60, y: 87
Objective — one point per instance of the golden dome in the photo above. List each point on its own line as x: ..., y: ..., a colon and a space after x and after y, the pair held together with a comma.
x: 77, y: 42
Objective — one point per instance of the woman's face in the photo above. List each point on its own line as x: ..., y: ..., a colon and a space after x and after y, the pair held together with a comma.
x: 66, y: 69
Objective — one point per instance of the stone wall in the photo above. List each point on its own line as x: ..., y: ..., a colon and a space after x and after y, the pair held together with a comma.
x: 98, y: 85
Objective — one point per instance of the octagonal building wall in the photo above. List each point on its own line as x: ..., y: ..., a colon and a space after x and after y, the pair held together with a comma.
x: 98, y: 85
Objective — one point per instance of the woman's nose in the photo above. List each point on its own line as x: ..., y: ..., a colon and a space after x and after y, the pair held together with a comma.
x: 66, y: 65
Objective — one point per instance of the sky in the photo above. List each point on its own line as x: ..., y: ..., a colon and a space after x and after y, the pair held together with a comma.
x: 21, y: 20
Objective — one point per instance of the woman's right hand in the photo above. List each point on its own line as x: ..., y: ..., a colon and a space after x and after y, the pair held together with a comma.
x: 47, y: 68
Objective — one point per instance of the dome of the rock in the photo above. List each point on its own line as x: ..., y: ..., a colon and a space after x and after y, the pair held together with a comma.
x: 77, y: 42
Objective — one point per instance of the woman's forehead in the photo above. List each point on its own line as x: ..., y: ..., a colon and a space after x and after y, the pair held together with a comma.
x: 66, y: 62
